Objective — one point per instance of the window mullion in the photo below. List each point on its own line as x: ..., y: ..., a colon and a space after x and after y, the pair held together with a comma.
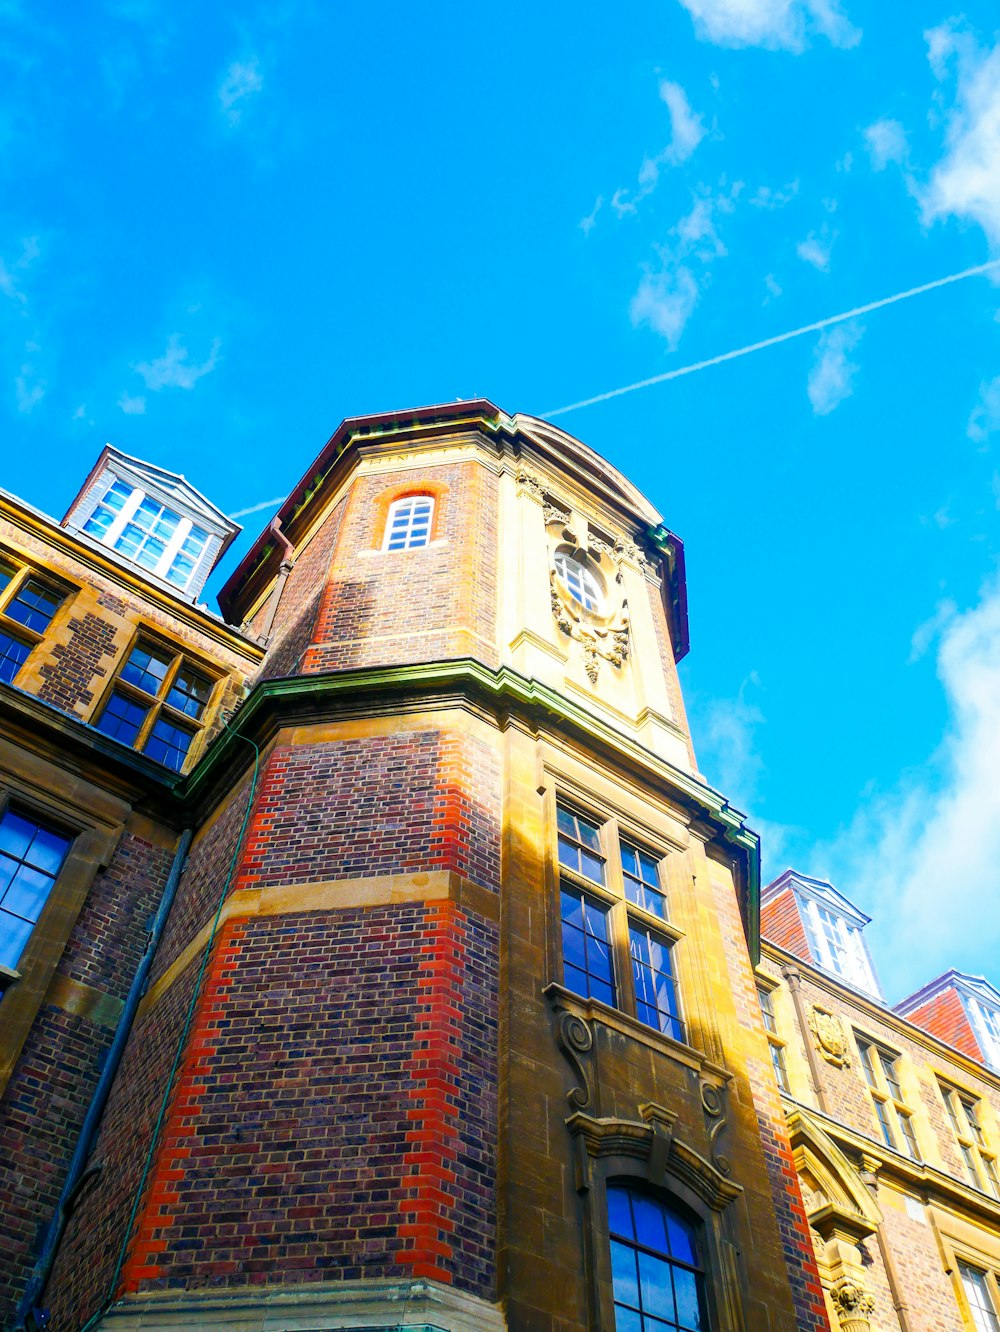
x: 124, y: 517
x: 173, y: 546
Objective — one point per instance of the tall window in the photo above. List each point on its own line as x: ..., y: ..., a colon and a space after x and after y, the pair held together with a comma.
x: 31, y: 856
x: 656, y: 1270
x: 409, y: 523
x: 157, y: 704
x: 977, y: 1287
x: 980, y: 1162
x: 616, y: 941
x: 148, y: 532
x: 583, y: 584
x: 895, y: 1121
x: 27, y: 605
x: 777, y: 1045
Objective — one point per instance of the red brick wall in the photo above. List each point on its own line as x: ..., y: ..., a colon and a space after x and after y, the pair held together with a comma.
x: 418, y: 800
x: 415, y: 605
x: 781, y: 922
x: 945, y: 1017
x: 53, y: 1081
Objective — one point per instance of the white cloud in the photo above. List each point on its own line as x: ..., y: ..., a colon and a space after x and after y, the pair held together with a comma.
x: 886, y: 142
x: 173, y: 369
x: 132, y: 405
x: 687, y: 130
x: 587, y: 223
x: 815, y: 250
x: 242, y: 81
x: 665, y: 302
x: 785, y: 24
x: 985, y: 417
x: 667, y: 295
x: 831, y: 379
x: 770, y: 198
x: 773, y: 288
x: 936, y: 839
x: 966, y: 182
x: 29, y: 390
x: 10, y: 274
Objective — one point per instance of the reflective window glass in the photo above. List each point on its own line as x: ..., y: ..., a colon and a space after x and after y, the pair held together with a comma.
x: 31, y: 856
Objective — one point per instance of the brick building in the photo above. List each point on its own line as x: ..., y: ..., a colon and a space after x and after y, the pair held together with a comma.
x: 385, y: 961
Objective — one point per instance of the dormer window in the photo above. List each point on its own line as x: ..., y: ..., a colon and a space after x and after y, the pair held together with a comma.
x: 838, y: 946
x: 152, y: 518
x: 147, y: 532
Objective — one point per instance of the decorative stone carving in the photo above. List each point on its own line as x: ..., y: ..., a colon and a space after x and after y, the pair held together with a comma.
x: 618, y: 550
x: 553, y: 510
x: 854, y: 1304
x: 575, y: 1039
x: 831, y: 1038
x: 603, y: 638
x: 713, y: 1101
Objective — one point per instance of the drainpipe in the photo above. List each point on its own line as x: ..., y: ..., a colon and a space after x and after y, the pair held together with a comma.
x: 888, y: 1262
x: 29, y: 1314
x: 793, y: 977
x: 284, y: 569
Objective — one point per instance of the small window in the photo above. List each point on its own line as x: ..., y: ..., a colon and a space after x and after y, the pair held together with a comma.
x: 587, y: 965
x: 34, y: 605
x: 777, y: 1046
x: 580, y: 846
x: 976, y: 1285
x: 581, y: 581
x: 13, y: 655
x: 157, y: 703
x: 658, y: 1280
x: 979, y: 1161
x: 895, y: 1120
x: 642, y: 881
x: 409, y: 523
x: 31, y: 856
x: 655, y: 992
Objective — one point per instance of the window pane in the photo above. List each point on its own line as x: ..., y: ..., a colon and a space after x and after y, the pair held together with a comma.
x: 13, y: 655
x: 767, y: 1010
x: 780, y: 1071
x: 649, y: 1223
x: 655, y: 993
x: 882, y: 1115
x: 34, y: 605
x: 409, y: 523
x: 909, y: 1136
x: 587, y: 963
x: 642, y: 884
x: 624, y: 1274
x: 687, y: 1296
x: 146, y: 668
x: 656, y: 1285
x: 891, y: 1076
x: 122, y: 718
x: 31, y: 856
x: 189, y: 692
x: 650, y: 1272
x: 580, y: 846
x: 619, y: 1212
x: 865, y: 1050
x: 980, y: 1302
x: 168, y: 744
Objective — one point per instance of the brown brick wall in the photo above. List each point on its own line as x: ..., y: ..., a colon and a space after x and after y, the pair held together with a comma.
x: 416, y: 605
x: 379, y: 805
x: 47, y: 1097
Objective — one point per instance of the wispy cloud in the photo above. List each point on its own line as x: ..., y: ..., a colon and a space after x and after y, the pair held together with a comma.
x: 132, y: 404
x: 29, y: 389
x: 816, y: 250
x: 242, y: 81
x: 588, y: 223
x: 256, y: 508
x: 985, y: 418
x: 777, y: 24
x: 938, y: 833
x: 686, y: 132
x: 11, y: 274
x: 886, y: 142
x: 175, y: 369
x: 668, y: 292
x: 966, y: 181
x: 831, y: 379
x: 770, y: 198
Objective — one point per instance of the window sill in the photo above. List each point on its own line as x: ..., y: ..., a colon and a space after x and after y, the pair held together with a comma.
x: 593, y: 1010
x: 8, y: 977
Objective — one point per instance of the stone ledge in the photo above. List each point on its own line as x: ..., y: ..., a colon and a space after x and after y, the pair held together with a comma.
x: 352, y: 1306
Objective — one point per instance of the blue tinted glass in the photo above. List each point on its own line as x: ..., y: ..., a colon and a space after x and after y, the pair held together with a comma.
x: 597, y: 921
x: 574, y: 948
x: 99, y: 522
x: 14, y: 934
x: 681, y: 1240
x: 168, y: 744
x: 572, y: 908
x: 619, y: 1212
x: 13, y: 655
x: 16, y: 834
x: 686, y: 1295
x: 34, y: 605
x: 603, y: 991
x: 27, y: 892
x: 628, y: 1320
x: 649, y: 1223
x: 592, y: 867
x: 624, y: 1274
x: 657, y: 1288
x: 47, y: 851
x: 122, y: 719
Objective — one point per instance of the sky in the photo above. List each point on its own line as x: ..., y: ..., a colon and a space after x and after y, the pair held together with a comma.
x: 224, y: 228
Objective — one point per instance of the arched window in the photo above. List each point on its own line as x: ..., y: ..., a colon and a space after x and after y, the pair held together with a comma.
x: 657, y: 1276
x: 409, y: 523
x: 583, y: 584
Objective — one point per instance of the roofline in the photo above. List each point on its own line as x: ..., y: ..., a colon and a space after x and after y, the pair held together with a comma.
x: 109, y: 449
x: 660, y: 537
x: 790, y: 875
x: 946, y: 980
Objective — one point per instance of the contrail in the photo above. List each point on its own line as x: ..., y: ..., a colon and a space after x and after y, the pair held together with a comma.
x: 256, y: 508
x: 771, y: 342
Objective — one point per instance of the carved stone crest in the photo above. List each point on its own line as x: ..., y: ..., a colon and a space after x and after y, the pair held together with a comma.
x: 603, y: 638
x: 853, y: 1303
x: 831, y: 1038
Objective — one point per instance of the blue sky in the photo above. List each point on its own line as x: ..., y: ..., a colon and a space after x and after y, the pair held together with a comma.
x: 223, y: 229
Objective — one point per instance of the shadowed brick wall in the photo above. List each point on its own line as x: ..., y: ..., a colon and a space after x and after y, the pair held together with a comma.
x: 48, y: 1094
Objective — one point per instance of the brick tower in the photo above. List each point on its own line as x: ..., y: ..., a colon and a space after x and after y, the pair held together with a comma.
x: 453, y: 1022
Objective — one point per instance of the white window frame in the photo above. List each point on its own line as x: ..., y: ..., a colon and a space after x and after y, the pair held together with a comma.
x: 590, y: 583
x: 857, y: 970
x: 407, y: 531
x: 125, y: 516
